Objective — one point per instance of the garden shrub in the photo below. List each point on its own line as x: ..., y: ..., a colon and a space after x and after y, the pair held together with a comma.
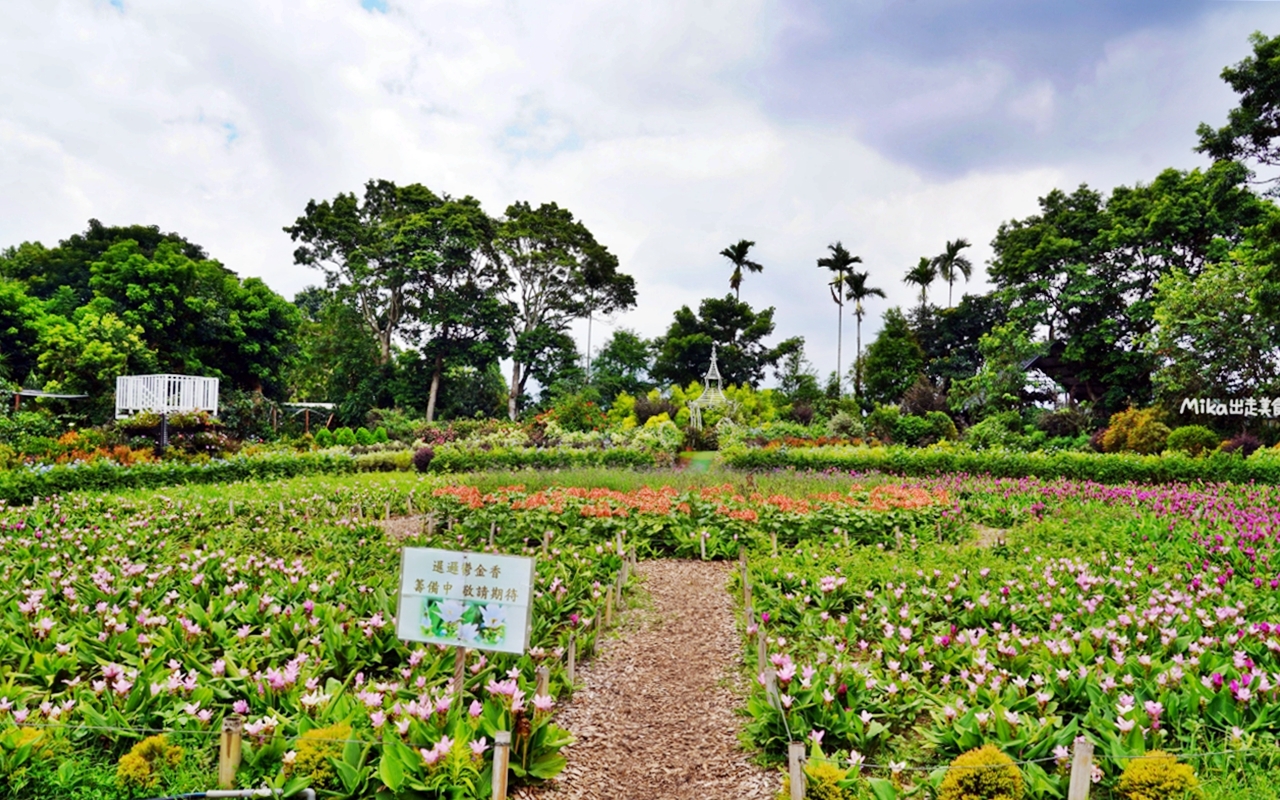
x: 1138, y: 430
x: 923, y: 397
x: 1063, y: 423
x: 822, y: 782
x: 313, y: 754
x: 1245, y: 444
x: 1157, y: 776
x: 844, y: 425
x: 363, y: 436
x: 997, y: 430
x: 985, y: 773
x: 422, y: 458
x: 345, y: 437
x: 385, y: 461
x: 801, y: 413
x: 575, y: 412
x: 651, y: 406
x: 140, y: 767
x: 324, y: 438
x: 380, y: 435
x: 882, y: 422
x: 1194, y: 440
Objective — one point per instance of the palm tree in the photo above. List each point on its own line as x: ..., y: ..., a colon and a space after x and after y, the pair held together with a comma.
x: 857, y: 290
x: 737, y: 253
x: 951, y: 262
x: 922, y: 275
x: 839, y: 262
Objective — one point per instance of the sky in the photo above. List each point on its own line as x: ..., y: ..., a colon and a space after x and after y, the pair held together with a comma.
x: 670, y: 128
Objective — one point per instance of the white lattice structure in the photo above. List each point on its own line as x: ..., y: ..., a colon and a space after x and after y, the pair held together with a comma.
x: 712, y: 394
x: 165, y: 394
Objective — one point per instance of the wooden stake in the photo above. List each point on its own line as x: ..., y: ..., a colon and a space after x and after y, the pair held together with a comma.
x: 702, y: 540
x: 459, y: 671
x: 773, y: 539
x: 762, y: 659
x: 387, y: 515
x: 231, y: 507
x: 501, y: 756
x: 618, y: 547
x: 493, y: 529
x: 771, y: 688
x: 544, y: 680
x: 608, y: 607
x: 1081, y: 769
x: 229, y: 751
x: 431, y: 524
x: 742, y: 558
x: 571, y: 660
x: 746, y: 594
x: 408, y: 504
x: 795, y: 765
x: 546, y: 542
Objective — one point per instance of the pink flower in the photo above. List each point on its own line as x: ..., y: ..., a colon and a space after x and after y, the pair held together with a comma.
x: 479, y: 746
x: 543, y: 702
x: 476, y: 708
x: 240, y: 707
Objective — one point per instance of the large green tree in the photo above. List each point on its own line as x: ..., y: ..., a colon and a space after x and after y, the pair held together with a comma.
x: 857, y: 289
x: 950, y: 336
x: 559, y: 273
x: 951, y: 263
x: 894, y: 360
x: 738, y: 332
x: 840, y: 263
x: 622, y: 365
x: 1254, y: 124
x: 923, y: 274
x: 354, y: 243
x: 737, y: 255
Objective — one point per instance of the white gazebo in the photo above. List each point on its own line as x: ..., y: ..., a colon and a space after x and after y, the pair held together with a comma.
x: 712, y: 394
x: 165, y: 394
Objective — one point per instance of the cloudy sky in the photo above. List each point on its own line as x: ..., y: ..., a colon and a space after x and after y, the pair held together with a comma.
x: 671, y: 127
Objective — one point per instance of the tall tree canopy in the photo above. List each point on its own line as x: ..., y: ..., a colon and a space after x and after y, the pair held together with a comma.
x: 894, y: 360
x: 840, y: 263
x: 559, y: 273
x: 1254, y: 125
x: 737, y: 255
x: 622, y: 365
x: 684, y: 353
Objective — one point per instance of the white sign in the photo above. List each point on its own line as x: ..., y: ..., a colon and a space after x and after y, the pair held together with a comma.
x: 478, y: 600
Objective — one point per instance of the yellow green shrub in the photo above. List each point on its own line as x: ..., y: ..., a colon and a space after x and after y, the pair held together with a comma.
x: 140, y: 767
x: 982, y: 774
x: 313, y: 751
x: 1157, y: 776
x: 1139, y: 431
x: 822, y: 782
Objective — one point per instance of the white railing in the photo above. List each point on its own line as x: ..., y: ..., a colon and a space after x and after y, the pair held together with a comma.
x: 165, y: 394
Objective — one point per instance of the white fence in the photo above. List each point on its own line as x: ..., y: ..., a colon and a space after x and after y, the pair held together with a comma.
x: 164, y: 394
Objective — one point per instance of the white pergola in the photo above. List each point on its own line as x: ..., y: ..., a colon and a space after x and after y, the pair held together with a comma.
x: 165, y: 394
x: 712, y: 394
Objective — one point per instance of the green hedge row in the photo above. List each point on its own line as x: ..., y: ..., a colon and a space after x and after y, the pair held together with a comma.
x: 451, y: 459
x: 21, y: 485
x: 1103, y: 468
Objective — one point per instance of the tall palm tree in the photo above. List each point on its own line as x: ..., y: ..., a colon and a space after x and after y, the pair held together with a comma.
x: 857, y: 290
x: 922, y: 275
x: 839, y: 262
x: 951, y: 262
x: 737, y: 253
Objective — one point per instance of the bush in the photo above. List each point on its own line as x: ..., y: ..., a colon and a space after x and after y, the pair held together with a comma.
x: 1156, y: 776
x: 380, y: 435
x: 801, y: 413
x: 845, y: 425
x: 385, y: 461
x: 140, y: 767
x: 1245, y: 444
x: 1194, y: 440
x: 315, y: 752
x: 422, y: 458
x: 646, y: 407
x: 822, y: 782
x: 997, y: 430
x: 1139, y: 431
x: 574, y: 412
x: 923, y: 397
x: 982, y: 774
x: 324, y: 438
x: 364, y: 437
x: 1064, y: 423
x: 345, y: 437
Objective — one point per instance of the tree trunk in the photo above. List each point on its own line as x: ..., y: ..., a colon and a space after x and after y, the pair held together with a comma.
x: 435, y: 387
x: 384, y: 348
x: 514, y: 393
x: 839, y: 346
x: 857, y: 364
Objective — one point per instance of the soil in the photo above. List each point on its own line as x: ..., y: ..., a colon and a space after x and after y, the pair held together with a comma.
x: 654, y: 715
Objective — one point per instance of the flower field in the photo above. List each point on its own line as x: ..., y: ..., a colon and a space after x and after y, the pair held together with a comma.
x: 905, y: 623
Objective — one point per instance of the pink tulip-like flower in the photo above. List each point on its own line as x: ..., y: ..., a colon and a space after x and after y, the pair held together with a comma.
x: 1125, y: 725
x: 816, y: 735
x: 543, y: 702
x: 430, y: 756
x: 479, y: 746
x: 240, y: 707
x: 377, y: 719
x: 476, y: 708
x: 219, y: 667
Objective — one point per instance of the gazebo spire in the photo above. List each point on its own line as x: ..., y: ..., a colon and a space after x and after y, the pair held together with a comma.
x: 713, y: 372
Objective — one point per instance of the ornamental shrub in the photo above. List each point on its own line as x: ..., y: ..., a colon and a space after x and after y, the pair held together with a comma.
x: 822, y: 782
x: 363, y: 436
x: 1140, y: 431
x: 845, y: 425
x: 1157, y: 776
x: 141, y: 766
x: 1065, y: 422
x: 380, y: 435
x: 324, y: 438
x: 422, y: 458
x: 1245, y: 444
x: 345, y: 437
x: 1194, y: 440
x: 985, y: 773
x: 313, y: 754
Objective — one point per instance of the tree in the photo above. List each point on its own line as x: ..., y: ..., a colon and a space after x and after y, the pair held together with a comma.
x: 1253, y: 126
x: 857, y: 290
x: 797, y: 380
x: 337, y: 360
x: 1210, y: 341
x: 85, y: 354
x: 559, y: 273
x: 354, y: 244
x: 454, y: 288
x: 950, y: 336
x: 737, y: 254
x: 922, y: 274
x: 950, y: 263
x: 894, y: 360
x: 622, y: 365
x: 21, y: 319
x: 840, y: 262
x: 1000, y: 384
x: 684, y: 353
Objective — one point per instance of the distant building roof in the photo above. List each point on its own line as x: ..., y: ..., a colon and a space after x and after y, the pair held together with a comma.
x: 1066, y: 373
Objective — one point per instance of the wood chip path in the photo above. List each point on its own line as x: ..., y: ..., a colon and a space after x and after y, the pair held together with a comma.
x: 655, y: 717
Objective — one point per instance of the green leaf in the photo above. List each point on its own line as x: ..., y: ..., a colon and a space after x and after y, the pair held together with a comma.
x: 883, y: 789
x: 391, y: 772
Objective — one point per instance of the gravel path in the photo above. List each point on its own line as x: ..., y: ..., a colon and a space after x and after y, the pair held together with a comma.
x: 655, y: 717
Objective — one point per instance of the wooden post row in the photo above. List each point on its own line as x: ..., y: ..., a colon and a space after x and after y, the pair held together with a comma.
x: 229, y: 751
x: 1081, y: 769
x: 571, y: 662
x: 544, y: 680
x: 773, y: 539
x: 501, y: 758
x: 795, y: 767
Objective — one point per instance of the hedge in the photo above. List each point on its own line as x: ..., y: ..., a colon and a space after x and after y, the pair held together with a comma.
x: 1108, y: 468
x: 457, y: 459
